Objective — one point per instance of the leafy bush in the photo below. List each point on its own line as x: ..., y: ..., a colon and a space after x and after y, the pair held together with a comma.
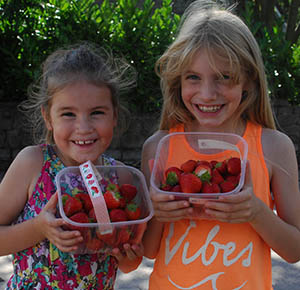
x: 281, y: 58
x: 31, y: 30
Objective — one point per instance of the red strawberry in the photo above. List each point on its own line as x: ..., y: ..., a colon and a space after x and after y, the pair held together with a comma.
x: 79, y: 217
x: 188, y: 166
x: 216, y: 177
x: 86, y: 201
x: 221, y: 167
x: 117, y: 215
x: 190, y: 183
x: 203, y: 171
x: 234, y: 179
x: 234, y: 166
x: 203, y: 162
x: 113, y: 199
x: 133, y: 211
x: 213, y: 163
x: 208, y: 187
x: 72, y: 206
x: 176, y: 188
x: 113, y: 187
x: 124, y: 235
x: 227, y: 186
x: 172, y: 175
x: 109, y: 238
x: 166, y: 187
x: 93, y: 243
x: 137, y: 234
x: 92, y: 216
x: 129, y: 191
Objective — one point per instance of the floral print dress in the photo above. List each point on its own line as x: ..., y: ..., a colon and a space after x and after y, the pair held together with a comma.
x: 44, y: 266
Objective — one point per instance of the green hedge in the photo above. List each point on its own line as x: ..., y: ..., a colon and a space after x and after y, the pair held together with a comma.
x: 30, y: 30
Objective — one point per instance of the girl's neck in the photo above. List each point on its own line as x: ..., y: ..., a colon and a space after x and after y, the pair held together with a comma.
x: 99, y: 161
x: 236, y: 128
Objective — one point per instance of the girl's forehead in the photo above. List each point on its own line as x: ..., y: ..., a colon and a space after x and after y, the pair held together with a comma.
x: 82, y: 94
x: 212, y: 58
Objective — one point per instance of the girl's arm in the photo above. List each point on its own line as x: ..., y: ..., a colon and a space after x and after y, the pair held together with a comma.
x: 15, y: 189
x: 280, y: 231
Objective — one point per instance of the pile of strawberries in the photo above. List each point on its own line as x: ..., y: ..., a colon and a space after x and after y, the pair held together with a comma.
x: 121, y: 207
x: 194, y: 176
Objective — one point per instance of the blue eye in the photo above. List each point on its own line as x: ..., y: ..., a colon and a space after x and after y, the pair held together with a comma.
x: 226, y: 77
x: 192, y: 77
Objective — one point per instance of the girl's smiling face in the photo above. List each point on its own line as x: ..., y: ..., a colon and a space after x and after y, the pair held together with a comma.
x: 210, y: 97
x: 82, y: 120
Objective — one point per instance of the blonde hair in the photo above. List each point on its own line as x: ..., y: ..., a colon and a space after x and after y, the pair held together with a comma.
x: 216, y: 29
x: 80, y: 62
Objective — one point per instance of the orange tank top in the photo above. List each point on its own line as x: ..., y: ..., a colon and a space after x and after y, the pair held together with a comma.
x: 203, y: 254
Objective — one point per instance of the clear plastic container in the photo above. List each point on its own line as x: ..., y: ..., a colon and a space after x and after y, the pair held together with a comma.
x: 200, y: 146
x: 95, y: 239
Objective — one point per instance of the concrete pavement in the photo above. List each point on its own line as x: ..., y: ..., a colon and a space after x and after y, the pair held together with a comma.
x: 285, y: 276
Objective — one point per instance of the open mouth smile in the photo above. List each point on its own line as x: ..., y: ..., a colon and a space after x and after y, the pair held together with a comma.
x: 84, y: 142
x: 209, y: 109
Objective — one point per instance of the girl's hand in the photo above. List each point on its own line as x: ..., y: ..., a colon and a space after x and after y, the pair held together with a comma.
x: 235, y: 208
x: 167, y: 209
x: 51, y: 228
x: 129, y: 257
x: 130, y: 252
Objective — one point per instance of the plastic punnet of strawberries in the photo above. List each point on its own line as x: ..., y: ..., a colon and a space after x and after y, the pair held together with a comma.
x: 122, y: 207
x: 195, y: 176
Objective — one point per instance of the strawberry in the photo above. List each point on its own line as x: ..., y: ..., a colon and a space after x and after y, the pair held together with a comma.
x: 221, y: 167
x: 124, y: 235
x: 118, y: 215
x: 92, y: 216
x: 113, y: 199
x: 86, y: 201
x: 109, y: 238
x: 79, y: 217
x: 227, y: 186
x: 213, y: 164
x: 216, y: 177
x: 129, y: 191
x: 166, y: 187
x: 203, y: 162
x: 190, y: 183
x: 72, y: 206
x: 113, y: 187
x: 172, y: 175
x: 233, y: 166
x: 133, y: 211
x: 93, y: 243
x: 137, y: 234
x: 176, y: 188
x: 208, y: 187
x: 234, y: 179
x: 188, y: 166
x: 203, y: 171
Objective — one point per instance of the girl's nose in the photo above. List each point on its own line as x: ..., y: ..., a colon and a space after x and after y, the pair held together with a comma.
x: 208, y: 91
x: 83, y: 125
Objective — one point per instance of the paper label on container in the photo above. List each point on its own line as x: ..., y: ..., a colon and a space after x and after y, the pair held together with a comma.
x: 91, y: 176
x: 216, y: 144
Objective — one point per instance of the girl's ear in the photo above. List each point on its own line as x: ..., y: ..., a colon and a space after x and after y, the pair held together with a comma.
x: 46, y: 118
